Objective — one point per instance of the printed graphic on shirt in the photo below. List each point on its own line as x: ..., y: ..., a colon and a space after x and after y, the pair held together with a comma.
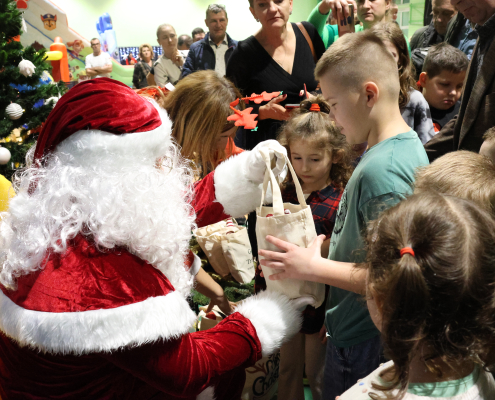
x: 415, y: 113
x: 339, y: 221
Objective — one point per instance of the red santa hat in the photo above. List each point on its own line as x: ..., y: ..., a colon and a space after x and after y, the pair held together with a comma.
x: 103, y: 105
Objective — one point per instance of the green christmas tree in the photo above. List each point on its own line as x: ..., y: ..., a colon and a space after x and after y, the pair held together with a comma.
x: 23, y: 102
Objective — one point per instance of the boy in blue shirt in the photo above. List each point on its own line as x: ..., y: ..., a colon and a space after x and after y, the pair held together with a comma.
x: 359, y: 79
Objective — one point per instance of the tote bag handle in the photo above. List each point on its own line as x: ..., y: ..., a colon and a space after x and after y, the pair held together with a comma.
x: 278, y: 204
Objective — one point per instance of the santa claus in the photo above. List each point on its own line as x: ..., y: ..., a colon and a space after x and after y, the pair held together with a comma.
x: 93, y: 248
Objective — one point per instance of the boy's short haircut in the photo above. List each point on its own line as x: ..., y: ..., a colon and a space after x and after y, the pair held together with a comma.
x: 444, y: 57
x: 197, y: 31
x: 463, y: 174
x: 162, y: 26
x: 489, y: 135
x: 357, y: 58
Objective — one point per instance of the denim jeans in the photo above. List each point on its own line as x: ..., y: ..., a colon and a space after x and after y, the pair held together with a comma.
x: 345, y: 365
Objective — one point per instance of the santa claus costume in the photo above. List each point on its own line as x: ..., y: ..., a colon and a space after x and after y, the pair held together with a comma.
x: 93, y: 283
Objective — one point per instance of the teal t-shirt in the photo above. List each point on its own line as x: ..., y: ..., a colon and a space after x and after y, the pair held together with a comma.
x: 383, y: 177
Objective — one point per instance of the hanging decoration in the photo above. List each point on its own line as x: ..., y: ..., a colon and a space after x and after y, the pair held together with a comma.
x: 14, y: 111
x: 4, y: 155
x: 26, y: 68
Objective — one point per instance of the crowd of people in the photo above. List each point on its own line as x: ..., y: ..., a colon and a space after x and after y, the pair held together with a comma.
x: 393, y: 144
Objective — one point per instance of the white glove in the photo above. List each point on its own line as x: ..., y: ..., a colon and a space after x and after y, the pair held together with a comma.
x: 255, y: 164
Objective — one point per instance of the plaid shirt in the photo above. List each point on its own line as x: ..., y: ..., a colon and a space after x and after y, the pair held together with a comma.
x: 324, y: 204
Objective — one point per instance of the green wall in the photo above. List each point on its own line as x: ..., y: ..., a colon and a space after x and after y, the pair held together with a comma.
x: 417, y: 15
x: 135, y: 22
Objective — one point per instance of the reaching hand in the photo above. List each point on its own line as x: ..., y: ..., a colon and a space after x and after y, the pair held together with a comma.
x: 223, y: 304
x: 336, y: 6
x: 295, y: 262
x: 273, y: 110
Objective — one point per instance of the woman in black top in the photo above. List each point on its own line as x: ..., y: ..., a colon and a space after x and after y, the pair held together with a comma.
x: 277, y: 58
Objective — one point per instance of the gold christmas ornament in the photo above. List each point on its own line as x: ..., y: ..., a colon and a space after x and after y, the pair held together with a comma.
x: 14, y: 111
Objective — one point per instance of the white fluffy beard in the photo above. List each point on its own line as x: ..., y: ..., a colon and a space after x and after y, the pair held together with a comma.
x: 120, y: 198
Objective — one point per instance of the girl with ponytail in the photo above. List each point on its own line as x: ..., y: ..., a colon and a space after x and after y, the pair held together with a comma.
x: 430, y: 291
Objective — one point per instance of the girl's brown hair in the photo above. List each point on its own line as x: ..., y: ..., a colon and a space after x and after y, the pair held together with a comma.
x: 391, y: 32
x: 317, y: 128
x: 199, y: 107
x: 439, y: 303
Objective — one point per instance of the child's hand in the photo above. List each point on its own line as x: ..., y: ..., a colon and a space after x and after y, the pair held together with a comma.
x: 336, y: 6
x: 295, y: 262
x: 223, y: 304
x: 273, y: 110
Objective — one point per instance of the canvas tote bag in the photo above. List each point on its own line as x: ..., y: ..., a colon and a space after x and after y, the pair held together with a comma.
x: 297, y: 228
x: 227, y: 246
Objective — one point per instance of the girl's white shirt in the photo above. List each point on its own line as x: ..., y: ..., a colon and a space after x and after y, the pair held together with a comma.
x: 479, y: 385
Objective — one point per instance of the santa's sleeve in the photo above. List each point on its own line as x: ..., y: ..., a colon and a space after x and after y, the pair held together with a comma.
x: 226, y: 192
x: 187, y: 366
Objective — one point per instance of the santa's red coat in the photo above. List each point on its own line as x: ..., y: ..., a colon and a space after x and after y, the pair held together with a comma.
x: 108, y: 325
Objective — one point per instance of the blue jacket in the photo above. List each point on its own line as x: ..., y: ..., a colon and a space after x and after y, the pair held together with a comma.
x: 201, y: 56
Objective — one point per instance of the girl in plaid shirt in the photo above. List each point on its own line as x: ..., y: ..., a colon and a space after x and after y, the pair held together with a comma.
x: 322, y: 159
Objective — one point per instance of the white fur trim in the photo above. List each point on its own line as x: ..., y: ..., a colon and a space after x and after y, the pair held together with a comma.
x: 155, y: 318
x: 275, y: 318
x: 233, y: 190
x: 136, y: 146
x: 207, y: 394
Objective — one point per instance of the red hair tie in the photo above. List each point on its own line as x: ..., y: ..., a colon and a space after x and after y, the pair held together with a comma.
x: 407, y: 250
x: 315, y: 107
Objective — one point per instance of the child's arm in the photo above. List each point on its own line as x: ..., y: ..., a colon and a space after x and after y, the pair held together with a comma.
x: 209, y: 288
x: 308, y: 265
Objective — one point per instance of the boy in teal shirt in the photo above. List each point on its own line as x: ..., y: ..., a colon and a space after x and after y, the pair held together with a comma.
x: 359, y: 79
